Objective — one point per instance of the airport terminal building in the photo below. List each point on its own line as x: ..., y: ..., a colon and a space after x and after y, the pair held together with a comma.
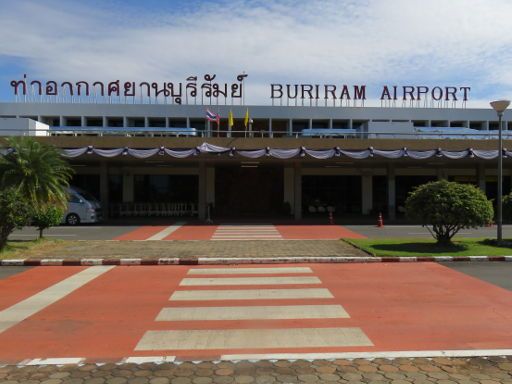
x: 297, y: 160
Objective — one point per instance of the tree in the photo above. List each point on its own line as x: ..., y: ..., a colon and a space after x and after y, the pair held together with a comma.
x: 448, y: 207
x: 36, y: 171
x: 14, y: 213
x: 47, y: 217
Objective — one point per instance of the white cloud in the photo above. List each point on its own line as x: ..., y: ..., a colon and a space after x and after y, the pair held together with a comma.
x: 461, y: 42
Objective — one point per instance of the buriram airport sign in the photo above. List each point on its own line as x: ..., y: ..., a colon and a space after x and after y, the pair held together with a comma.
x: 207, y: 90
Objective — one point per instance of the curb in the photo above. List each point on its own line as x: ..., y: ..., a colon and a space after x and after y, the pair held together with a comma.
x: 247, y: 260
x: 329, y: 356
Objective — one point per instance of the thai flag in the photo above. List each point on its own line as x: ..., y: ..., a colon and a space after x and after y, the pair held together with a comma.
x: 212, y: 116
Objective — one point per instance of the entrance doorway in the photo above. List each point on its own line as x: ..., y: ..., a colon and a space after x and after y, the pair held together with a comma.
x: 248, y: 192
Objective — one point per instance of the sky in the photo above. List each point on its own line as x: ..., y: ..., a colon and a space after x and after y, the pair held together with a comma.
x: 372, y: 42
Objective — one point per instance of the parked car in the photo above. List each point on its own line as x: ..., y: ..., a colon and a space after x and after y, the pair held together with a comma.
x: 82, y: 208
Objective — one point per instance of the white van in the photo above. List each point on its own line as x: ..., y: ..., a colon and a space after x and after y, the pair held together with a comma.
x: 82, y: 208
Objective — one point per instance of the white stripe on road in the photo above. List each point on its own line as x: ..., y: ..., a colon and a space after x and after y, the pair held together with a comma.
x: 252, y: 338
x: 247, y: 232
x: 254, y: 230
x: 245, y: 237
x: 250, y: 280
x: 55, y: 361
x: 267, y: 312
x: 370, y: 355
x: 166, y: 232
x: 247, y: 271
x: 294, y: 356
x: 252, y: 294
x: 28, y: 307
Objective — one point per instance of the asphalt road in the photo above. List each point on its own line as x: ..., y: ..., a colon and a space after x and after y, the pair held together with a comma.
x: 109, y: 232
x: 497, y: 273
x: 417, y: 231
x: 5, y: 272
x: 80, y: 232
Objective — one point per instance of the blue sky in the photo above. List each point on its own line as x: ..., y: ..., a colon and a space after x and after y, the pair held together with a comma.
x: 373, y: 42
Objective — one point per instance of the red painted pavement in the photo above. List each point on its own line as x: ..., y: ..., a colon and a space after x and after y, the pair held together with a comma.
x: 23, y: 285
x: 317, y: 232
x: 142, y: 233
x: 193, y: 232
x: 205, y: 232
x: 420, y: 306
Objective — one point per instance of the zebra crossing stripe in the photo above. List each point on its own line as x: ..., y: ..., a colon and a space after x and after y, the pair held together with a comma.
x: 252, y: 338
x: 251, y: 294
x: 276, y: 312
x: 287, y: 280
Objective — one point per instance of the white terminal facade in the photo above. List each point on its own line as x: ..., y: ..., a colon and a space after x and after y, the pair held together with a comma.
x: 234, y: 186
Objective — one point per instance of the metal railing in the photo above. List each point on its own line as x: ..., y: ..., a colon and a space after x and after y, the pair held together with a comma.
x: 171, y: 132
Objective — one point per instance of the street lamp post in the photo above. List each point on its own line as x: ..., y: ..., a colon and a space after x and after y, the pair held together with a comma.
x: 500, y: 106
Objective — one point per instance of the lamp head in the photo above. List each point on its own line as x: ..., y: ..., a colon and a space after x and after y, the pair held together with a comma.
x: 500, y: 105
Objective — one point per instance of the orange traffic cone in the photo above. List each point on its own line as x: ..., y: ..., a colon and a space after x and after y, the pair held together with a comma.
x: 380, y: 221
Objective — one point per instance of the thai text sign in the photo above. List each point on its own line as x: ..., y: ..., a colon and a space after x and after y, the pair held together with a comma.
x: 208, y: 90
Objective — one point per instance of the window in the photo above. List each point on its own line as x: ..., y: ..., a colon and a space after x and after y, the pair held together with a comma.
x: 74, y: 198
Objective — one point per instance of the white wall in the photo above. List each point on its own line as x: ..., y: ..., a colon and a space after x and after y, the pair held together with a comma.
x: 22, y: 127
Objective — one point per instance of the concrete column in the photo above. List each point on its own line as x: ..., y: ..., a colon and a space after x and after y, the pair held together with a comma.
x: 441, y: 174
x: 125, y: 121
x: 290, y: 127
x: 330, y: 123
x: 128, y: 188
x: 146, y: 122
x: 201, y: 206
x: 289, y: 186
x: 391, y: 193
x: 366, y: 193
x: 297, y: 193
x: 351, y: 124
x: 270, y: 134
x: 104, y: 189
x: 480, y: 176
x: 210, y: 185
x: 104, y: 121
x: 82, y: 121
x: 188, y: 122
x: 486, y: 126
x: 62, y: 123
x: 310, y: 124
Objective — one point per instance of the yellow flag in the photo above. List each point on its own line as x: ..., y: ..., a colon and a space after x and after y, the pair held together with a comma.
x: 246, y: 119
x: 231, y: 120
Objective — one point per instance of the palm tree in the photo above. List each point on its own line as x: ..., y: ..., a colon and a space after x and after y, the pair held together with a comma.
x: 36, y: 171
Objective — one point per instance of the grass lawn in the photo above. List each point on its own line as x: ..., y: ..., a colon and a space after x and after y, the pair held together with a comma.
x: 26, y: 248
x: 427, y: 247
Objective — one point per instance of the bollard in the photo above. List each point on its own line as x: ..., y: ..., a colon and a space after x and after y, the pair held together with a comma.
x: 380, y: 221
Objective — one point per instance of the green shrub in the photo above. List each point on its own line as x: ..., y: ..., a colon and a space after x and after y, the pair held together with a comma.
x: 448, y: 207
x: 47, y: 217
x: 507, y: 207
x: 14, y: 213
